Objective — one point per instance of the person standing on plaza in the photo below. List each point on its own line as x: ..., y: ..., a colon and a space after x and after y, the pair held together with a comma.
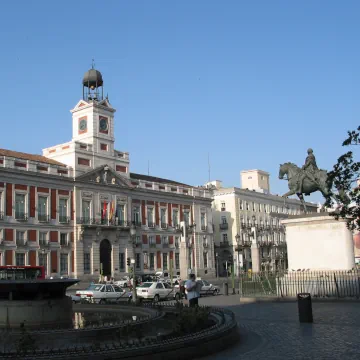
x: 191, y: 291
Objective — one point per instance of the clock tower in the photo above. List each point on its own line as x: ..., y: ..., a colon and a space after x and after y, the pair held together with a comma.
x: 92, y: 143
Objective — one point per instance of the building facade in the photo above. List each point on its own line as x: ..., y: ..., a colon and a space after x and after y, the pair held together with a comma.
x: 247, y: 224
x: 80, y: 212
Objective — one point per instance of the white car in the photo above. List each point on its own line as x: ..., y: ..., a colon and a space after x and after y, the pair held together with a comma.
x: 75, y: 299
x: 207, y: 288
x: 123, y: 282
x: 104, y: 293
x: 157, y: 291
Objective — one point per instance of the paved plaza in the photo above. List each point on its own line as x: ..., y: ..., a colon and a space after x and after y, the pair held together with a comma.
x: 271, y: 330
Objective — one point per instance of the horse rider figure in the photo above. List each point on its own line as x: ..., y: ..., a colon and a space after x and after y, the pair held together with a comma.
x: 309, y: 170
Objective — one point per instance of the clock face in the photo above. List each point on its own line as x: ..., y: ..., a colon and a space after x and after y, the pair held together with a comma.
x: 103, y: 124
x: 82, y: 125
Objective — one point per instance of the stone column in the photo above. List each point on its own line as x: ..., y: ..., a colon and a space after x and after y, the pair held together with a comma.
x: 79, y: 238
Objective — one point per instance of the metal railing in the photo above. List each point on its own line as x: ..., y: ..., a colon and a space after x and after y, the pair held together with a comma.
x: 164, y: 225
x: 43, y: 218
x: 336, y: 284
x: 224, y: 226
x: 1, y: 215
x: 64, y: 219
x: 151, y: 224
x: 21, y: 216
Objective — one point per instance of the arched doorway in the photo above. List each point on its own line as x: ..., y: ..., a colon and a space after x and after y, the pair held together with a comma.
x: 105, y: 257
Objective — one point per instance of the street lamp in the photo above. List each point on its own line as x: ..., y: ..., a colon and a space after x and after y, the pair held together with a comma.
x: 133, y: 241
x: 134, y: 282
x: 217, y: 264
x: 237, y: 238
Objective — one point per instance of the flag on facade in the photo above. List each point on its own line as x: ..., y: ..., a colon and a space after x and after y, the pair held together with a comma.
x: 104, y: 211
x: 111, y: 212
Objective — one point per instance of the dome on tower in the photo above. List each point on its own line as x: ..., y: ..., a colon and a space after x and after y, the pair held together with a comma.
x: 93, y: 78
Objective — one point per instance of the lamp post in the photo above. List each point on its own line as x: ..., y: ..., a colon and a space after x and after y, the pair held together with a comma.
x: 217, y: 265
x: 237, y: 238
x: 133, y: 241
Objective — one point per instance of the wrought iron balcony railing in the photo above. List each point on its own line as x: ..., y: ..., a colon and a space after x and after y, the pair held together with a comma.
x: 21, y: 242
x: 1, y: 215
x: 44, y: 218
x: 151, y: 224
x: 203, y: 228
x: 164, y: 225
x: 165, y: 245
x: 224, y: 226
x: 20, y: 216
x: 44, y: 243
x: 64, y: 219
x: 152, y: 245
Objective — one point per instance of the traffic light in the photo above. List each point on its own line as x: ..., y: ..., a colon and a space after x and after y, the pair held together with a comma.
x: 128, y: 261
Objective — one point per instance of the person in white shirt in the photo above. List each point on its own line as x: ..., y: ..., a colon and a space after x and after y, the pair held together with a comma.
x: 191, y: 291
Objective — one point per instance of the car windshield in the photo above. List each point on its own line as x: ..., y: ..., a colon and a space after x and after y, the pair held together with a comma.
x: 205, y: 283
x: 94, y: 287
x: 147, y: 284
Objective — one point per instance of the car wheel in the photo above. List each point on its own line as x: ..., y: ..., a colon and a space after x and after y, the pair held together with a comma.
x: 177, y: 296
x: 102, y: 301
x: 156, y: 298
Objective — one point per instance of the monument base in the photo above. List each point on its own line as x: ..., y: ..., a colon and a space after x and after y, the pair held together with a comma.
x: 52, y: 313
x: 318, y: 242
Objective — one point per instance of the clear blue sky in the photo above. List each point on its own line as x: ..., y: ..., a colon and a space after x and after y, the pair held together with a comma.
x: 252, y: 83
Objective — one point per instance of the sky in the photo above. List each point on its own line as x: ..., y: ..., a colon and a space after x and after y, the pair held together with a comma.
x: 252, y: 84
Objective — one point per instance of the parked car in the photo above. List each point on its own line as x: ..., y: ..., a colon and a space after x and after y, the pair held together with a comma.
x: 104, y: 293
x: 123, y: 282
x: 207, y: 288
x: 157, y: 291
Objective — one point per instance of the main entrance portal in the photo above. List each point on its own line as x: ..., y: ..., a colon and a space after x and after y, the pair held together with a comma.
x: 105, y: 257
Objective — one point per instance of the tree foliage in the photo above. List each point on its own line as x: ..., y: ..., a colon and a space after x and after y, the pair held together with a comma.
x: 345, y: 176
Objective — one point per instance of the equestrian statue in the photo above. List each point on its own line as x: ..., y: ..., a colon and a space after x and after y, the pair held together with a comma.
x: 308, y: 179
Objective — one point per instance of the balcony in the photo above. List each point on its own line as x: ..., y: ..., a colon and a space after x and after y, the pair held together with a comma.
x: 245, y: 244
x: 152, y: 245
x: 151, y: 225
x: 20, y: 216
x: 203, y: 228
x: 177, y: 228
x: 137, y: 223
x: 223, y: 209
x: 64, y: 219
x: 65, y: 243
x: 164, y: 225
x: 123, y: 223
x: 44, y: 244
x: 84, y: 220
x: 177, y: 244
x: 224, y: 244
x: 1, y: 215
x: 224, y: 226
x: 165, y: 245
x: 21, y: 242
x: 43, y: 218
x: 206, y: 245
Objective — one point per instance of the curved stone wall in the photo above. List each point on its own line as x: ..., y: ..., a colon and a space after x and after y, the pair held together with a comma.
x: 34, y: 314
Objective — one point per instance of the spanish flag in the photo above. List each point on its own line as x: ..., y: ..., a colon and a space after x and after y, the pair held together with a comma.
x: 111, y: 212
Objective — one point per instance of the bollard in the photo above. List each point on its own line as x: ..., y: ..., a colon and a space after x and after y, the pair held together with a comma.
x: 305, y: 308
x: 226, y: 289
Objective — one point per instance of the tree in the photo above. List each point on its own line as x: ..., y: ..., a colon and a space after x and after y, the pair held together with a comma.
x: 345, y: 176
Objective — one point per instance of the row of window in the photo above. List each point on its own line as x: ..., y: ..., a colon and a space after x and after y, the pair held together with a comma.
x: 20, y: 260
x: 265, y: 237
x: 267, y: 208
x: 21, y: 237
x: 21, y: 207
x: 120, y: 214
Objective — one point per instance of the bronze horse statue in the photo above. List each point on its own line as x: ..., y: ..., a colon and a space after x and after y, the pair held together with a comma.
x: 294, y: 173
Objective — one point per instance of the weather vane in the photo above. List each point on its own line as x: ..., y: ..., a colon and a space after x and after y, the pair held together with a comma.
x: 93, y: 64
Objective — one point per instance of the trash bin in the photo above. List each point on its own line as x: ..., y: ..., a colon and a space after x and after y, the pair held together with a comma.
x: 305, y: 308
x: 226, y: 289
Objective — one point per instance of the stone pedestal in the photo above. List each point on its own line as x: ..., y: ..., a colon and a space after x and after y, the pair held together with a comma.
x: 319, y: 242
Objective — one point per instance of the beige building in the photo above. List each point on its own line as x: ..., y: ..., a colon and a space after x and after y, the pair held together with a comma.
x: 247, y: 229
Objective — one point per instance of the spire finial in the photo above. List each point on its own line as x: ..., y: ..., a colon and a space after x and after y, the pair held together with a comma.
x: 93, y: 64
